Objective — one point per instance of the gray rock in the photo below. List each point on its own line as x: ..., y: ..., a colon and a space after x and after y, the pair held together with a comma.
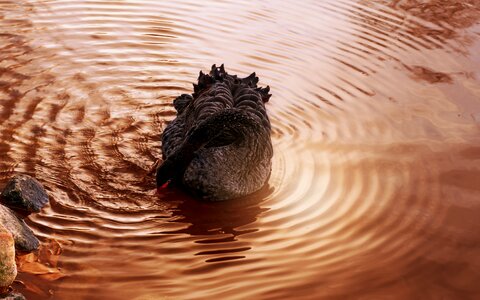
x: 24, y: 193
x: 12, y: 296
x: 24, y: 238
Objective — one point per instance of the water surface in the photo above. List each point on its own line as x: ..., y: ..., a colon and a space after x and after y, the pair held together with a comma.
x: 375, y: 189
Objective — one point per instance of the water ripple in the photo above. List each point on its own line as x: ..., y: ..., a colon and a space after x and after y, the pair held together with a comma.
x: 373, y: 190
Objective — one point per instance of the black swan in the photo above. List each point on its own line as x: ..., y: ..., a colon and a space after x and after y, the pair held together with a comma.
x: 219, y: 145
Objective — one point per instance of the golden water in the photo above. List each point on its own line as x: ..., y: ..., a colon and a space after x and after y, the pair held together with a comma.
x: 375, y: 189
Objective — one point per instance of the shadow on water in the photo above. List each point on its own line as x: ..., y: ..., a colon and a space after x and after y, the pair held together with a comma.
x: 230, y: 219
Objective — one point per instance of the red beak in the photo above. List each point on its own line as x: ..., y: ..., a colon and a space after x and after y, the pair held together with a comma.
x: 164, y: 186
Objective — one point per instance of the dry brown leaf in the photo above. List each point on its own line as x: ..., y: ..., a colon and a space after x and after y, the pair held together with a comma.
x: 25, y: 259
x: 50, y: 252
x: 37, y: 268
x: 43, y: 262
x: 52, y: 276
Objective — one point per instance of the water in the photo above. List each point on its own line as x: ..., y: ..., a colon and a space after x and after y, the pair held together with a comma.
x: 376, y: 173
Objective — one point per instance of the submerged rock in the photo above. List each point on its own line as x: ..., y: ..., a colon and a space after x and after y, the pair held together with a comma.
x: 24, y: 193
x: 12, y: 296
x: 8, y: 268
x: 23, y: 236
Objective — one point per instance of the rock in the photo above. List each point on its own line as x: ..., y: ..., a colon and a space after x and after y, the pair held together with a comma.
x: 13, y: 296
x: 8, y: 268
x: 24, y: 193
x: 23, y: 236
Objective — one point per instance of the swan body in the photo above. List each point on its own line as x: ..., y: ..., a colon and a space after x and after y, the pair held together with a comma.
x: 219, y: 145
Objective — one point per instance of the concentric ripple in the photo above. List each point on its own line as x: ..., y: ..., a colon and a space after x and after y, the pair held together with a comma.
x: 375, y: 113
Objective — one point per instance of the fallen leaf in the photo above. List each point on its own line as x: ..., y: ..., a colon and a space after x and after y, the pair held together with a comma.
x: 43, y: 262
